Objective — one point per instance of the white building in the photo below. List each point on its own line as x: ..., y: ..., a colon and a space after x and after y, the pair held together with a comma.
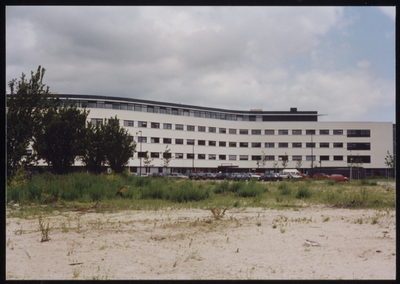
x: 211, y: 139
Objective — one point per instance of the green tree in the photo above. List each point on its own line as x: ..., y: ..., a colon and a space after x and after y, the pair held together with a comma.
x: 119, y: 146
x: 60, y: 139
x: 389, y: 160
x: 25, y: 107
x: 94, y: 156
x: 166, y: 157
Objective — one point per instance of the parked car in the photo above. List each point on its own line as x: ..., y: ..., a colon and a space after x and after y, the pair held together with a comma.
x: 292, y: 175
x: 338, y: 177
x: 176, y: 175
x: 197, y: 176
x: 253, y: 175
x: 238, y: 177
x: 320, y: 175
x: 284, y: 175
x: 270, y: 177
x: 222, y: 176
x: 211, y: 176
x: 159, y: 175
x: 305, y: 175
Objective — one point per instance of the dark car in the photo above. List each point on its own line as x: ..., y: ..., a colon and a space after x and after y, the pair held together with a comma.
x: 270, y: 177
x: 158, y: 175
x: 211, y: 176
x: 222, y: 176
x: 320, y: 175
x: 238, y: 177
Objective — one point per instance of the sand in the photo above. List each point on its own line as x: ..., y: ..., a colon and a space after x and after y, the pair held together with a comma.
x: 248, y: 243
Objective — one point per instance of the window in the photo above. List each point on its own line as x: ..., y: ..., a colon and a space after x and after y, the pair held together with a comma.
x: 256, y: 145
x: 128, y: 123
x: 269, y: 158
x: 358, y: 146
x: 155, y: 155
x: 244, y: 144
x: 324, y: 132
x: 256, y: 158
x: 324, y: 145
x: 190, y: 142
x: 232, y: 157
x: 179, y: 141
x: 190, y: 128
x: 178, y: 126
x: 142, y: 124
x: 212, y: 157
x: 363, y: 159
x: 283, y: 132
x: 212, y: 129
x: 337, y: 132
x: 243, y: 157
x: 222, y: 130
x: 201, y: 128
x: 310, y: 158
x: 244, y: 131
x: 358, y: 133
x: 201, y: 142
x: 28, y: 152
x: 142, y: 154
x: 283, y: 158
x: 296, y: 145
x: 222, y: 144
x: 201, y: 156
x: 338, y: 158
x: 232, y: 131
x: 269, y: 145
x: 283, y: 145
x: 190, y: 156
x: 296, y: 132
x: 256, y: 132
x: 269, y: 132
x: 232, y: 144
x: 178, y: 155
x: 155, y: 125
x: 142, y: 139
x: 222, y: 157
x: 155, y: 140
x: 310, y: 132
x: 324, y: 158
x: 212, y: 143
x: 100, y: 120
x: 337, y: 145
x: 167, y: 155
x: 296, y: 158
x: 167, y: 126
x: 167, y: 140
x: 310, y: 145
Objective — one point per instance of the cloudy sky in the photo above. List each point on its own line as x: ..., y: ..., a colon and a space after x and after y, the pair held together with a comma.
x: 339, y: 61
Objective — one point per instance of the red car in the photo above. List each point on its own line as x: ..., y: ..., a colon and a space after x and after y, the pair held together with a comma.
x: 305, y: 175
x: 339, y: 177
x: 320, y: 175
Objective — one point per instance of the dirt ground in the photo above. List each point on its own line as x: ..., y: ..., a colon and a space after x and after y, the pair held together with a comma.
x: 247, y: 243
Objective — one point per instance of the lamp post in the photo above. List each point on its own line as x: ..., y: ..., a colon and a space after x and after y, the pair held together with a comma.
x: 351, y: 167
x: 140, y: 169
x: 312, y: 156
x: 193, y: 158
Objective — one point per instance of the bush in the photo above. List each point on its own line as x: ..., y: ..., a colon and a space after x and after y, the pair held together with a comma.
x: 186, y: 191
x: 303, y: 192
x: 222, y: 187
x: 284, y: 188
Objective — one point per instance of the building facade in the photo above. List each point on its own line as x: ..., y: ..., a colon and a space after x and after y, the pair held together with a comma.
x: 213, y: 140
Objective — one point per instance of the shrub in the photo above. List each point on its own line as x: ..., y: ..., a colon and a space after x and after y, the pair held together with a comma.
x: 303, y: 192
x: 222, y: 187
x: 284, y: 188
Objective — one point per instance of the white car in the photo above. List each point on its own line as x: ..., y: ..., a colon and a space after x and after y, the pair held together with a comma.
x: 176, y: 175
x: 254, y: 176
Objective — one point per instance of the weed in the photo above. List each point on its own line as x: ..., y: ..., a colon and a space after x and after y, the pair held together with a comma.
x: 217, y: 213
x: 258, y: 223
x: 303, y: 192
x: 236, y: 204
x: 274, y: 226
x: 45, y: 229
x: 76, y: 272
x: 282, y: 230
x: 326, y: 219
x: 374, y: 221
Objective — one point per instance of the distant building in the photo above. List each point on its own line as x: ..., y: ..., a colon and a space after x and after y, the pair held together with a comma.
x: 213, y: 139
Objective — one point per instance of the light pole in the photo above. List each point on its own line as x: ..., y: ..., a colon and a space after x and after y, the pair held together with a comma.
x: 193, y: 158
x: 140, y: 169
x: 312, y: 156
x: 351, y: 167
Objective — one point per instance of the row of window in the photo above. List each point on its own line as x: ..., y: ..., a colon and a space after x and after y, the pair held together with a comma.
x: 176, y: 111
x: 350, y: 146
x: 364, y: 159
x: 156, y: 125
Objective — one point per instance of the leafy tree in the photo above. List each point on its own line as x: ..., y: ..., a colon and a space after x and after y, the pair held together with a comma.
x: 26, y: 104
x: 166, y: 157
x: 285, y: 161
x: 119, y: 146
x: 60, y: 138
x: 94, y: 157
x: 147, y: 162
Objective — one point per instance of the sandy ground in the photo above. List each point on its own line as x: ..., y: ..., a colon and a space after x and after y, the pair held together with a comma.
x: 192, y: 244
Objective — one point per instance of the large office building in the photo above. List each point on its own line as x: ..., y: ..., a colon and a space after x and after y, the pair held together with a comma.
x: 212, y: 139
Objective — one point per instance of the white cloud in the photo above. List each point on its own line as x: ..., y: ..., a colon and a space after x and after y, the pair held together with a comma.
x: 363, y: 64
x: 389, y: 11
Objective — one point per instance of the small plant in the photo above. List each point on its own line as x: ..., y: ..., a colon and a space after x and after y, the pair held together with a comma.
x: 236, y: 204
x: 274, y: 226
x: 326, y: 219
x: 282, y: 230
x: 258, y: 223
x: 45, y: 229
x: 374, y: 221
x: 217, y: 213
x: 76, y: 272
